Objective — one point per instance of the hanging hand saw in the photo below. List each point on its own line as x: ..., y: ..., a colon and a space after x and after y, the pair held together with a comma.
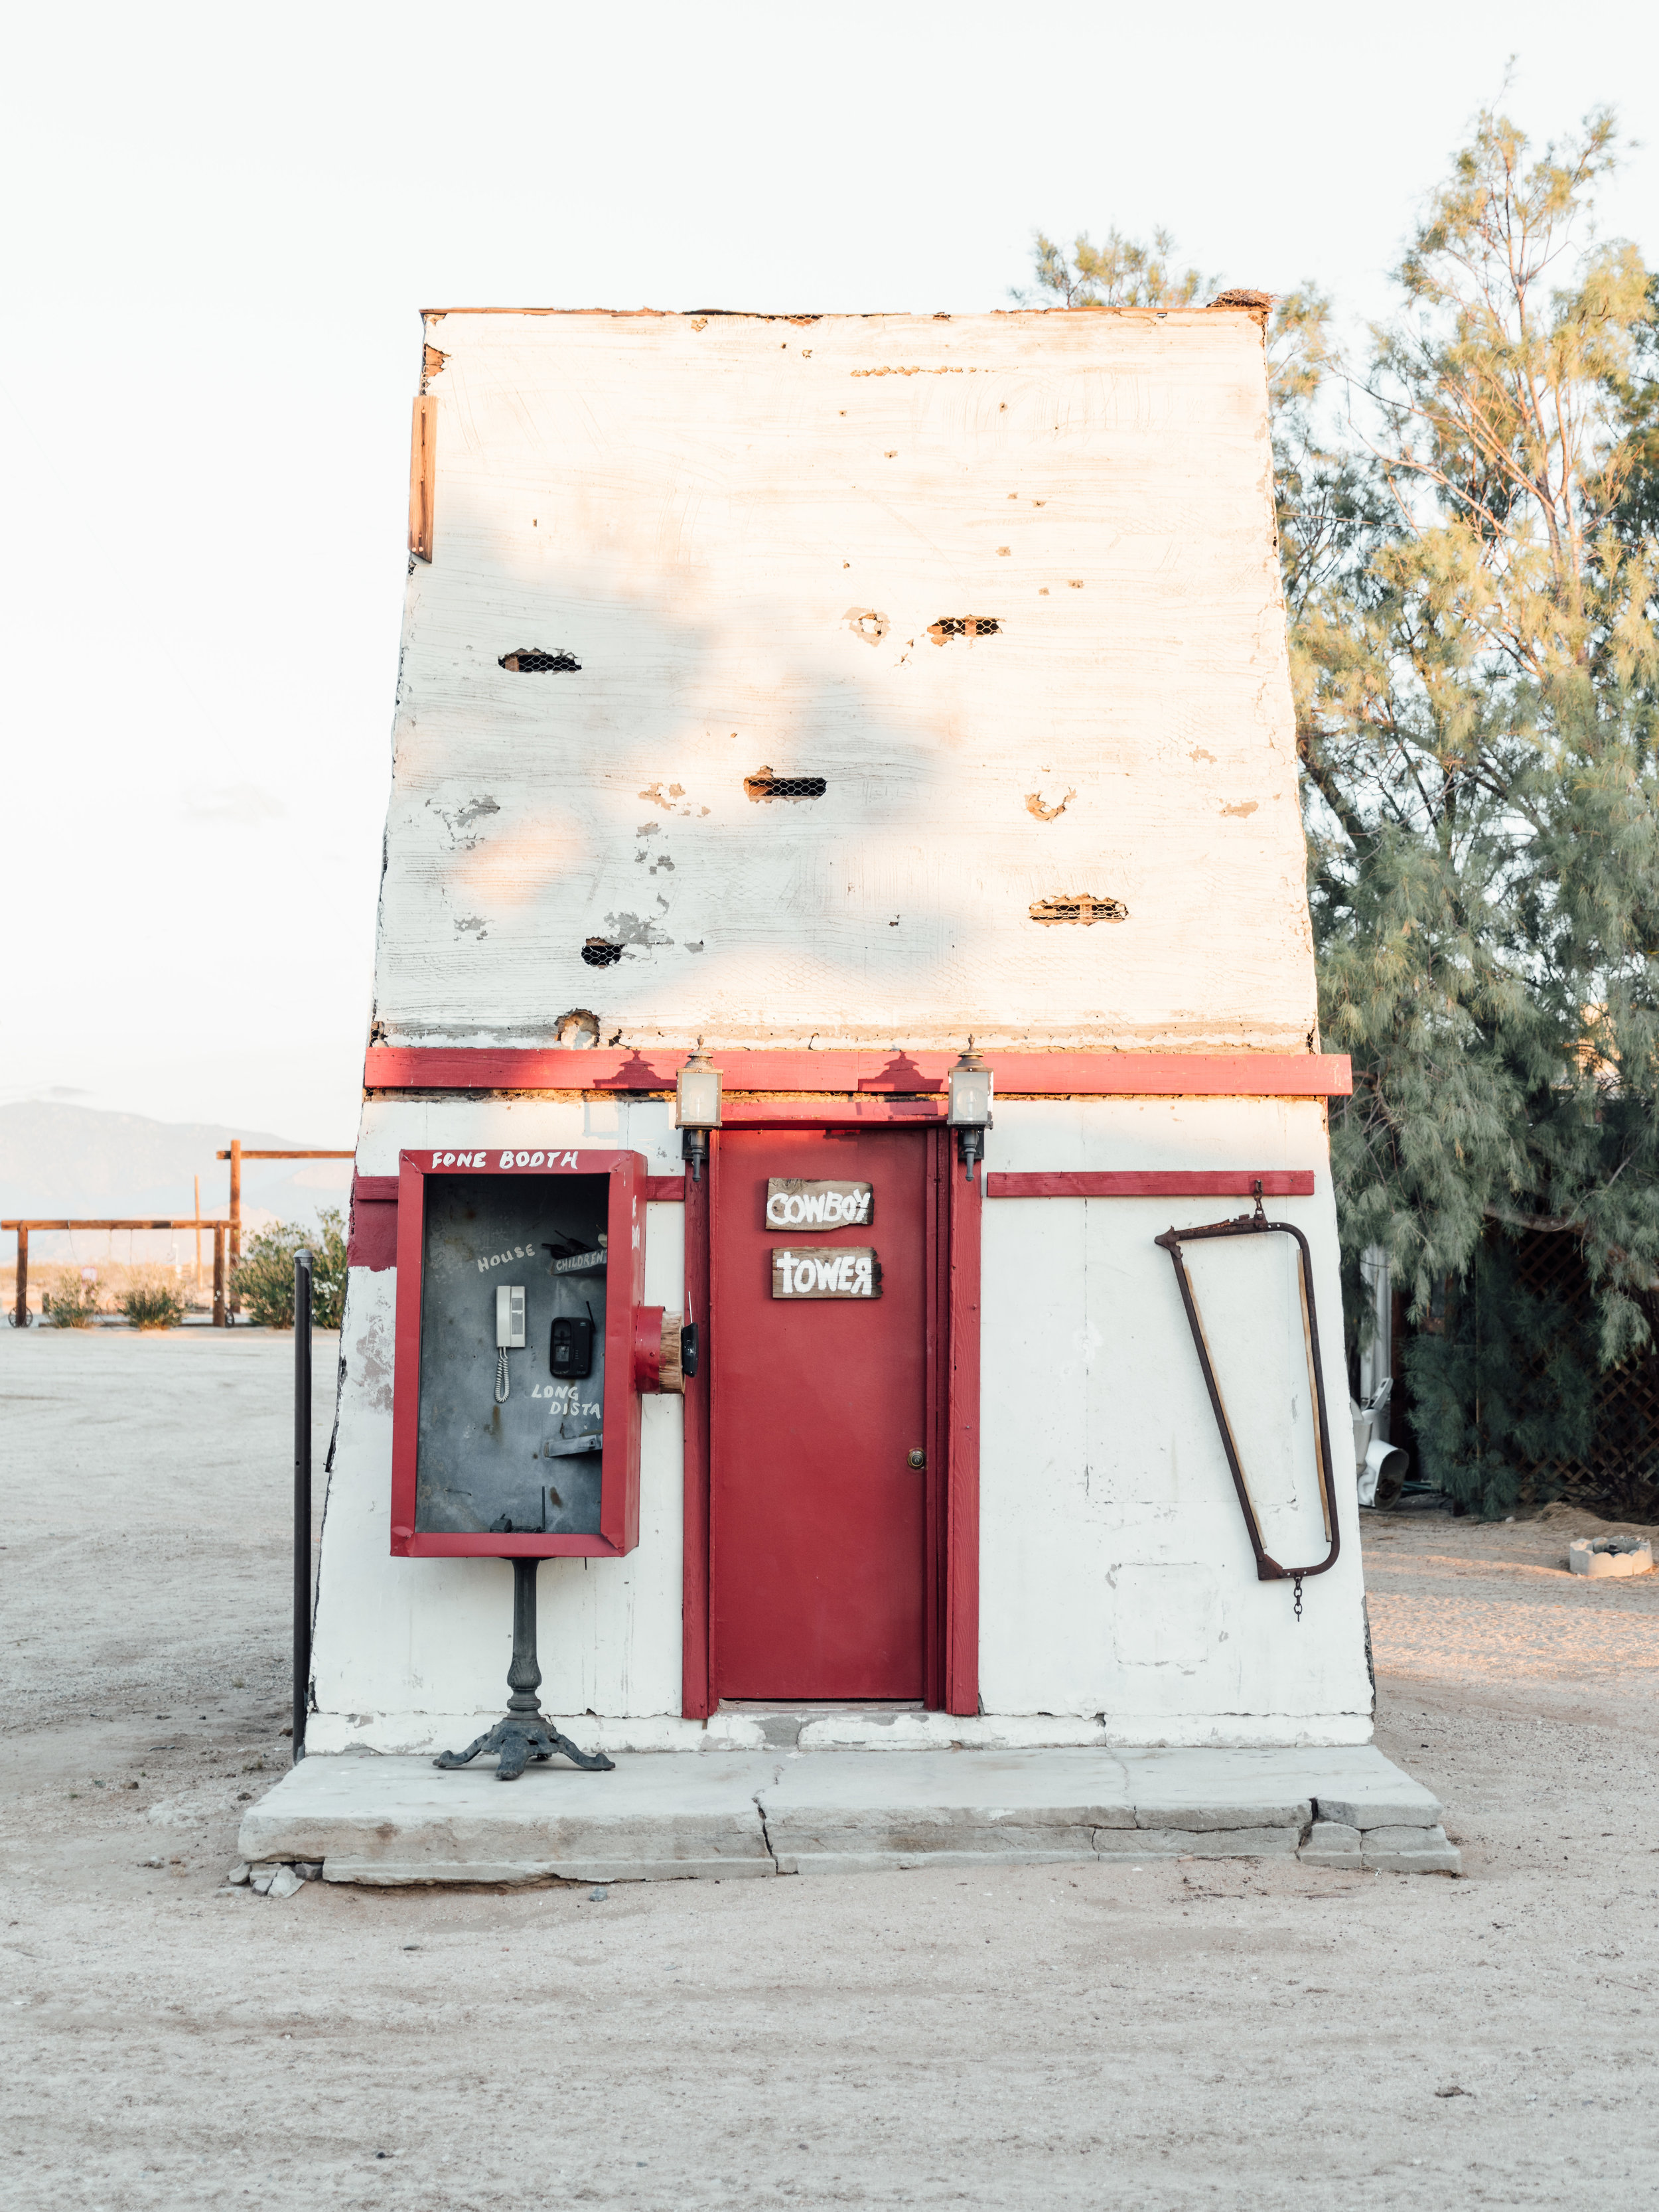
x: 1267, y: 1569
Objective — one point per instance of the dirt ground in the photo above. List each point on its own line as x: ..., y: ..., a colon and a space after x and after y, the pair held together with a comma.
x: 1182, y: 2034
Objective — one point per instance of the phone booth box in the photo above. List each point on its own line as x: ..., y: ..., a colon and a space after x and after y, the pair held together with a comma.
x: 522, y: 1345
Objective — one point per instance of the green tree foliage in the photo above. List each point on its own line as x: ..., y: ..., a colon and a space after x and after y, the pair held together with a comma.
x: 1475, y: 675
x: 1121, y: 273
x: 264, y: 1280
x: 1472, y: 588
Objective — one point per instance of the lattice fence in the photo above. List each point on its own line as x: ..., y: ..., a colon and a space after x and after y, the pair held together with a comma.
x: 1623, y: 1468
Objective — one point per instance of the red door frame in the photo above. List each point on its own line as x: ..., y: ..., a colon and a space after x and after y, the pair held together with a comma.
x: 951, y: 1586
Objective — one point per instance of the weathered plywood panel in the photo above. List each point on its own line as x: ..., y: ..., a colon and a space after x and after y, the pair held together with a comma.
x: 744, y: 531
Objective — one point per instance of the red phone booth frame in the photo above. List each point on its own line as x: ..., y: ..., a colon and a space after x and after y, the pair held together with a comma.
x: 619, y: 1465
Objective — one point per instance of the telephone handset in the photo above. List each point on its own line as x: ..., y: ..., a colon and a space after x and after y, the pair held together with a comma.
x: 509, y: 1332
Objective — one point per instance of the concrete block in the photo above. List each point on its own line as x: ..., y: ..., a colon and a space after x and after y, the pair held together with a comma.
x: 1410, y: 1851
x: 1331, y: 1836
x: 1251, y: 1843
x: 1332, y: 1844
x: 387, y: 1821
x: 285, y: 1883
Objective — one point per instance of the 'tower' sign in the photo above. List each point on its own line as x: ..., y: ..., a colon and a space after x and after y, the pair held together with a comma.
x: 793, y: 1204
x: 826, y: 1271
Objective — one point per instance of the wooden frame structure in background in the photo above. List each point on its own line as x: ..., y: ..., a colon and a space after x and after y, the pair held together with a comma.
x: 19, y: 1313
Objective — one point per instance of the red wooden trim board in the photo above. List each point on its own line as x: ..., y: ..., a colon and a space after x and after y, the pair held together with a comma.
x: 1156, y: 1182
x: 962, y: 1460
x: 694, y: 1700
x: 1027, y: 1074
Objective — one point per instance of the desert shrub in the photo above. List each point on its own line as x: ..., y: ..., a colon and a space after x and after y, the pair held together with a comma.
x: 152, y: 1305
x: 114, y: 1277
x: 72, y: 1304
x: 264, y: 1279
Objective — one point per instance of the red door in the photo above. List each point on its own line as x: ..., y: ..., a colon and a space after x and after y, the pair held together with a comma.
x: 818, y: 1519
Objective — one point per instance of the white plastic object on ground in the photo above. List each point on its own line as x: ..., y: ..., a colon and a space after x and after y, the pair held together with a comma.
x: 1610, y: 1555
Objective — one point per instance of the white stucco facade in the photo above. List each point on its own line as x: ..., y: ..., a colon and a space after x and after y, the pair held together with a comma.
x: 1118, y: 1595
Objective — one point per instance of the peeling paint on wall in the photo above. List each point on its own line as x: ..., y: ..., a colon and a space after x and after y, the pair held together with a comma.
x: 1034, y: 805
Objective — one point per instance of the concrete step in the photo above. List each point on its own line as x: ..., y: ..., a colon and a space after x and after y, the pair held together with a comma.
x: 721, y: 1815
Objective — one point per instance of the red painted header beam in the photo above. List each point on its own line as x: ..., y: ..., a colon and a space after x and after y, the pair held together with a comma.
x: 1019, y: 1074
x: 1156, y: 1182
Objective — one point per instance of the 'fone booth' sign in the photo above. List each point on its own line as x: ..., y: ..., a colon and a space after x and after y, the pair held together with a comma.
x: 826, y: 1271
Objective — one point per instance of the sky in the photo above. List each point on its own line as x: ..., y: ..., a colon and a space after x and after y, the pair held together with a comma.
x: 223, y: 223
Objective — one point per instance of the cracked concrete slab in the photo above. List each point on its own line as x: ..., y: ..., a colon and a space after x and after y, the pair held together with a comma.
x: 391, y: 1820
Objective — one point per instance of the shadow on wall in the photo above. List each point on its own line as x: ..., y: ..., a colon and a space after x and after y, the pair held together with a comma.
x: 635, y: 772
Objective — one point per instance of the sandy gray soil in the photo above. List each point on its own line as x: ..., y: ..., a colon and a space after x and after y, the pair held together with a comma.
x: 1182, y: 2035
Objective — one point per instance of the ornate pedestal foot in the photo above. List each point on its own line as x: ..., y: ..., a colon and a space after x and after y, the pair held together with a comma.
x: 525, y: 1733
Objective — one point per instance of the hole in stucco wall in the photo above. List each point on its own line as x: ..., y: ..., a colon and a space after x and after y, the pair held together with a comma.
x: 764, y: 784
x: 1081, y: 906
x: 534, y: 661
x: 598, y: 952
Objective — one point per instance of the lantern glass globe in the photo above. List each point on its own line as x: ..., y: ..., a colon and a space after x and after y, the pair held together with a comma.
x: 699, y: 1106
x: 970, y: 1095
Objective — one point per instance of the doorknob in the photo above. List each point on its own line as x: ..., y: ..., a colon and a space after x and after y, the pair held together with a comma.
x: 918, y: 1458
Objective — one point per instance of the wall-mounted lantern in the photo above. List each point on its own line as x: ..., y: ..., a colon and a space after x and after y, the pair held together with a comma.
x: 970, y: 1107
x: 699, y: 1108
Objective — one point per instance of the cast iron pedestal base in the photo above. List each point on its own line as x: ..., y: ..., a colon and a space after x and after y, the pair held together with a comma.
x: 525, y: 1732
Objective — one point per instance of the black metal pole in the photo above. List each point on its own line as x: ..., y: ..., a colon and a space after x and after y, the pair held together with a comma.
x: 302, y: 1497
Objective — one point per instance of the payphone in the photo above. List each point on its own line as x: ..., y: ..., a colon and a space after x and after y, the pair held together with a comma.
x: 523, y: 1348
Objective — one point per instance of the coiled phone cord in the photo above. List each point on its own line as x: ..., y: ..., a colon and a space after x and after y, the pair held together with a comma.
x: 501, y: 1385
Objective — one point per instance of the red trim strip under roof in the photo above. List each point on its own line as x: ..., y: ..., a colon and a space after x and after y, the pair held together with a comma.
x: 1019, y: 1074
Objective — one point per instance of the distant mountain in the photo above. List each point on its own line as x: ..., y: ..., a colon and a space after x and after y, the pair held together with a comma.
x: 75, y: 1162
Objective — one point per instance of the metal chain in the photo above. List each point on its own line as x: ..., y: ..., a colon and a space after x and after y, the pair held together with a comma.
x: 1298, y: 1597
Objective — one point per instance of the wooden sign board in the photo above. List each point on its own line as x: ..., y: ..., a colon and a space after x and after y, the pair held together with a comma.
x: 792, y: 1203
x: 825, y: 1271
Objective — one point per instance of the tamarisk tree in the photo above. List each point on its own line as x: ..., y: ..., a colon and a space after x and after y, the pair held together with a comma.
x: 1471, y: 589
x: 1475, y: 658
